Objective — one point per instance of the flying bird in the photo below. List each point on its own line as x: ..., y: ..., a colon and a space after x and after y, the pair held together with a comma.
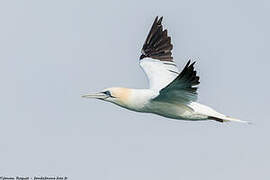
x: 171, y: 93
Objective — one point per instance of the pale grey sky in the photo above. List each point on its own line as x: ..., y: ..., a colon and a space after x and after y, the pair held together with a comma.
x: 52, y: 52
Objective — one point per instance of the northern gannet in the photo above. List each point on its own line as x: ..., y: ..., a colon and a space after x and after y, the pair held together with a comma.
x: 171, y: 93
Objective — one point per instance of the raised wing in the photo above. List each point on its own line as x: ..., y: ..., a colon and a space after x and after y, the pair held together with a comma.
x: 156, y: 59
x: 163, y: 74
x: 183, y: 88
x: 159, y: 73
x: 157, y: 44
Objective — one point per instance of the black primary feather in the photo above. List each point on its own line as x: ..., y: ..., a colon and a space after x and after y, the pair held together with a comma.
x: 183, y: 87
x: 157, y: 44
x: 187, y: 79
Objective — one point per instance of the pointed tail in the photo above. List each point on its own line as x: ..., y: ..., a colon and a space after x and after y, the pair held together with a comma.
x: 228, y: 119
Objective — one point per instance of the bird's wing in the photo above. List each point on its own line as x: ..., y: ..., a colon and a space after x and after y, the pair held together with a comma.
x: 163, y: 74
x: 159, y: 73
x: 183, y: 88
x: 156, y: 59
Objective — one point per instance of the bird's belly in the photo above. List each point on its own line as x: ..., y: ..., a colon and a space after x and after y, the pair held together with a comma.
x: 174, y: 111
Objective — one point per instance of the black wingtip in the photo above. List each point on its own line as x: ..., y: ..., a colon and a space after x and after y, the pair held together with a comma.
x: 158, y: 44
x: 188, y: 63
x: 192, y: 64
x: 160, y: 20
x: 156, y: 19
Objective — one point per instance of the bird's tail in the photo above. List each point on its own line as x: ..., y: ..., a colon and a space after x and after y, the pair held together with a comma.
x: 212, y: 114
x: 228, y: 119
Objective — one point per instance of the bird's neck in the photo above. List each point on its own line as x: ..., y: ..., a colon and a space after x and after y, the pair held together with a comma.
x: 134, y: 99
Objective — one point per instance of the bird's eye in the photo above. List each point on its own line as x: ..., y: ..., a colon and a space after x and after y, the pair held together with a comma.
x: 108, y: 93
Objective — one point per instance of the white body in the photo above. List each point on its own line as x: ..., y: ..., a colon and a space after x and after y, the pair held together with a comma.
x: 160, y: 74
x: 140, y: 100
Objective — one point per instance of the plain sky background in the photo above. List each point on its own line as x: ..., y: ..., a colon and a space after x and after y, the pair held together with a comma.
x: 53, y: 51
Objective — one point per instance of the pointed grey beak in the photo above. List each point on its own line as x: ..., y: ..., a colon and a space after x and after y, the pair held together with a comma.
x: 96, y: 96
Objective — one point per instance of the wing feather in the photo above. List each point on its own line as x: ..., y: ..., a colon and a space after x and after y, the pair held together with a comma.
x: 163, y: 74
x: 159, y: 73
x: 157, y: 44
x: 183, y: 88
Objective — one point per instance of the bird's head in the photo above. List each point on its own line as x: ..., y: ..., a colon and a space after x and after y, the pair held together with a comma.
x: 115, y: 95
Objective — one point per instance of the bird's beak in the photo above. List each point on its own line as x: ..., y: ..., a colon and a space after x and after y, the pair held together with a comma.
x: 96, y: 96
